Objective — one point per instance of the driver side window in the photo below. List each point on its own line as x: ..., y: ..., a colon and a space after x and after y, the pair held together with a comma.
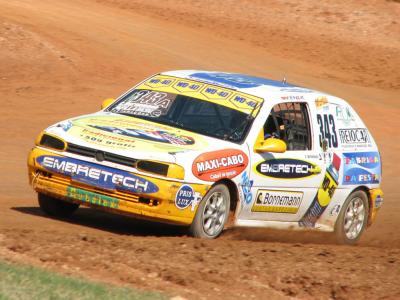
x: 290, y: 123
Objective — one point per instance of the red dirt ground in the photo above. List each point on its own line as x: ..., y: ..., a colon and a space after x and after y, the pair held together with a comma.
x: 60, y: 58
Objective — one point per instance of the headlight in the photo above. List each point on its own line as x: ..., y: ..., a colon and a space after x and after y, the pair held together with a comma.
x: 163, y: 169
x: 152, y: 167
x: 49, y: 141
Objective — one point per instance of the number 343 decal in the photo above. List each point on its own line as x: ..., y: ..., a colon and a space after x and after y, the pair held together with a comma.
x: 327, y: 130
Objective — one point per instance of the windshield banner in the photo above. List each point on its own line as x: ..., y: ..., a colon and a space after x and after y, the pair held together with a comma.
x: 226, y: 97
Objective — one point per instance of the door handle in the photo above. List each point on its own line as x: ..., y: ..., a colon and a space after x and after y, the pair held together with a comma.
x: 315, y: 170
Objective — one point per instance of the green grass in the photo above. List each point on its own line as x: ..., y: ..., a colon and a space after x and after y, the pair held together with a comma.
x: 23, y: 282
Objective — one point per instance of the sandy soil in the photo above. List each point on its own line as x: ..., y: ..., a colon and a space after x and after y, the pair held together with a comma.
x: 61, y: 58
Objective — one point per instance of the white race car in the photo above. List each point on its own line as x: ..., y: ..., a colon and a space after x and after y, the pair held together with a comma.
x: 187, y: 147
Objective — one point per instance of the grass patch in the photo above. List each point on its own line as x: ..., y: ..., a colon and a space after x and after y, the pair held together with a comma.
x: 25, y: 282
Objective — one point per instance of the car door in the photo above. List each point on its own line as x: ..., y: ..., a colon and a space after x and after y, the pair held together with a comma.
x: 285, y: 185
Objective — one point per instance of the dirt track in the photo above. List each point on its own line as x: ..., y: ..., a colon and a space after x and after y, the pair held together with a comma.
x: 61, y: 58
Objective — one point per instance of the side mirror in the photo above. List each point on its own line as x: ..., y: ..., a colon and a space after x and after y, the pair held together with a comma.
x: 107, y: 102
x: 271, y: 145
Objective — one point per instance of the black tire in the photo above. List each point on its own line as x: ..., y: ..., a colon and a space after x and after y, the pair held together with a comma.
x: 343, y: 234
x: 217, y: 214
x: 55, y: 207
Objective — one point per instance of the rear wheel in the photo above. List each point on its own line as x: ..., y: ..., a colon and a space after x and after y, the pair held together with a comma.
x: 212, y: 213
x: 54, y: 207
x: 352, y: 219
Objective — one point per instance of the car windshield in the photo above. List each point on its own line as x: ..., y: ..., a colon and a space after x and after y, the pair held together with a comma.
x: 185, y: 112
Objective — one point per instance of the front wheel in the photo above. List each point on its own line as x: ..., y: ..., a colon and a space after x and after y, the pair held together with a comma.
x: 212, y: 213
x: 352, y: 219
x: 55, y: 207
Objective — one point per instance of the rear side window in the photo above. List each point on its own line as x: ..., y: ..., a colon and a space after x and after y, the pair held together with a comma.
x: 290, y: 123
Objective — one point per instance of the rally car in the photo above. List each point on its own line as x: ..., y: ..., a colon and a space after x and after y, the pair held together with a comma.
x: 189, y: 147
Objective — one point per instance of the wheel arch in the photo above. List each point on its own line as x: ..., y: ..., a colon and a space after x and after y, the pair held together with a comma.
x: 341, y: 235
x: 233, y: 192
x: 365, y: 189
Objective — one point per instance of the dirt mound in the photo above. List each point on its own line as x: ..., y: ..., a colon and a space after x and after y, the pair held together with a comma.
x: 61, y: 58
x: 348, y: 41
x: 26, y: 55
x: 199, y: 269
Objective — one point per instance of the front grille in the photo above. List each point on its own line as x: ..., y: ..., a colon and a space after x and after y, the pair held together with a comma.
x: 42, y: 181
x: 101, y: 155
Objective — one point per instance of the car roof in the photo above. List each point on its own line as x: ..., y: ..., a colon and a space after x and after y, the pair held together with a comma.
x: 257, y: 86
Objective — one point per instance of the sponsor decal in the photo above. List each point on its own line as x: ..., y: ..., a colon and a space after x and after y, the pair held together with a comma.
x: 312, y: 156
x: 150, y: 135
x: 326, y: 157
x: 160, y: 81
x: 321, y: 101
x: 237, y: 80
x: 293, y: 97
x: 186, y: 196
x: 335, y: 210
x: 185, y: 86
x: 334, y: 167
x: 296, y: 90
x: 285, y: 168
x: 92, y: 198
x: 324, y: 194
x: 327, y: 130
x: 378, y: 201
x: 361, y: 168
x: 104, y: 139
x: 344, y: 115
x: 216, y: 92
x: 123, y: 132
x: 96, y: 175
x: 354, y: 137
x: 245, y: 186
x: 145, y: 103
x: 277, y: 201
x: 213, y: 166
x: 204, y: 91
x: 66, y: 125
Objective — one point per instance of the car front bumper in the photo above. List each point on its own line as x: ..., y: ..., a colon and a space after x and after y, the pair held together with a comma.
x: 159, y: 205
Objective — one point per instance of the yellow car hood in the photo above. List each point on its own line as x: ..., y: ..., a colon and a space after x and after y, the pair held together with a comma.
x: 128, y: 136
